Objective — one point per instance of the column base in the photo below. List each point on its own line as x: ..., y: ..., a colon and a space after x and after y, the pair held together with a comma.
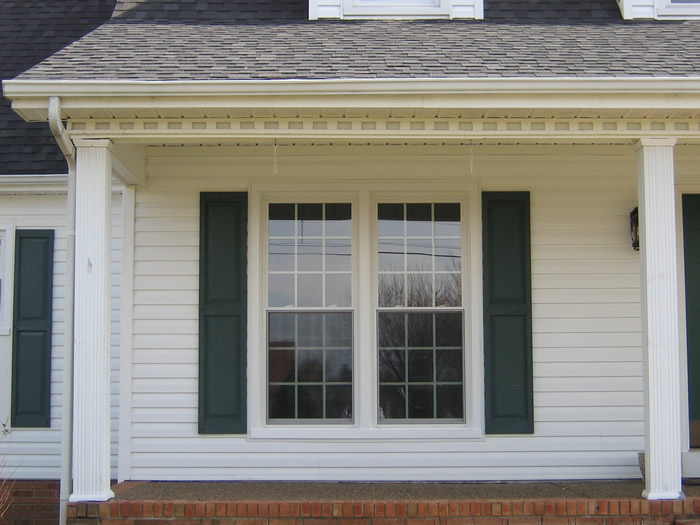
x: 662, y: 495
x: 82, y: 498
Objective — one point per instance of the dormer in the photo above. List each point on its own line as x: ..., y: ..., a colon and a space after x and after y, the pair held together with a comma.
x: 387, y: 9
x: 660, y: 9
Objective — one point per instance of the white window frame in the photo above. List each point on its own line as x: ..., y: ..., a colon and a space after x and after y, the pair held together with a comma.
x: 397, y: 8
x: 7, y: 241
x: 670, y: 9
x: 364, y: 198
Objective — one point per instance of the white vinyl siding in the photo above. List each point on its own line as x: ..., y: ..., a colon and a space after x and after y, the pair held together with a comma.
x: 588, y: 376
x: 35, y: 453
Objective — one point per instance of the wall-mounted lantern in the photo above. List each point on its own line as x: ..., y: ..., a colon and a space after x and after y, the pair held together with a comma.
x: 634, y: 228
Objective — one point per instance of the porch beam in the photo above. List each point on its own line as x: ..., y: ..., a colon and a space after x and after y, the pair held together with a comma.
x: 129, y: 163
x: 91, y: 440
x: 660, y: 328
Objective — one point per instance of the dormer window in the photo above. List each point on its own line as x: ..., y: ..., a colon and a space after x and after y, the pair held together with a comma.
x: 660, y: 9
x: 411, y: 9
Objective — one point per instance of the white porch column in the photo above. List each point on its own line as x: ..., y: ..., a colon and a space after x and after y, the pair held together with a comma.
x: 660, y: 329
x: 91, y: 461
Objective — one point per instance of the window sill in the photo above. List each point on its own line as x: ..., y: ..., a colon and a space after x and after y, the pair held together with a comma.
x: 353, y: 433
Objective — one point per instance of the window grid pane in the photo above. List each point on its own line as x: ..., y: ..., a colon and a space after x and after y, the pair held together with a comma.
x: 310, y: 366
x: 420, y: 370
x: 419, y: 255
x: 309, y: 258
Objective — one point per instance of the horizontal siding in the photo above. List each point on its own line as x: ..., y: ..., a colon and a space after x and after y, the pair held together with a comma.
x: 586, y: 320
x: 35, y: 453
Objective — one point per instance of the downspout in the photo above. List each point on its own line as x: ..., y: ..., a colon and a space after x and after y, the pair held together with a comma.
x: 68, y: 148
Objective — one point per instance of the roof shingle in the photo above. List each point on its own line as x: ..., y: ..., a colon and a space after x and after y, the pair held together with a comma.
x: 272, y: 39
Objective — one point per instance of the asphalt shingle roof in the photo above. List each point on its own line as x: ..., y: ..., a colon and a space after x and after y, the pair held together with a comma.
x: 31, y: 30
x: 273, y: 39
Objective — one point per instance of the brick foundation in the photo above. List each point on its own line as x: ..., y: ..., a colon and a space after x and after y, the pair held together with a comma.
x: 34, y: 502
x: 422, y: 512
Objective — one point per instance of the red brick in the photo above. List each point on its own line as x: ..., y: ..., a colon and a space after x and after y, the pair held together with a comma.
x: 354, y: 521
x: 285, y: 510
x: 550, y: 507
x: 245, y: 521
x: 490, y: 521
x: 387, y: 521
x: 539, y: 508
x: 316, y: 509
x: 210, y: 509
x: 626, y: 507
x: 221, y: 509
x: 425, y: 521
x: 457, y: 521
x: 590, y: 521
x: 337, y: 509
x: 390, y: 509
x: 557, y: 520
x: 284, y: 521
x: 485, y: 509
x: 516, y: 508
x: 524, y: 521
x: 496, y: 509
x: 320, y: 521
x: 325, y: 509
x: 645, y: 507
x: 656, y: 508
x: 357, y: 509
x: 124, y: 510
x: 678, y: 507
x: 168, y: 509
x: 614, y: 507
x: 528, y: 508
x: 443, y: 509
x: 252, y: 510
x: 622, y: 520
x: 433, y: 509
x: 369, y: 509
x: 560, y: 507
x: 158, y: 509
x: 347, y: 509
x: 401, y: 509
x: 422, y: 509
x: 475, y: 509
x: 666, y: 507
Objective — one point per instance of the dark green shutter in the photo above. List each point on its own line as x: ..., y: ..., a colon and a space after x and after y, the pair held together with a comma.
x: 507, y: 313
x: 31, y: 328
x: 222, y: 313
x: 691, y: 249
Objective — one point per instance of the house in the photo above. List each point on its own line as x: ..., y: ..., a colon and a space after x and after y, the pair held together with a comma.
x: 380, y: 240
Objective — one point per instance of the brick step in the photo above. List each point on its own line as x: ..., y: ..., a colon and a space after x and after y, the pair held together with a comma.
x: 404, y: 512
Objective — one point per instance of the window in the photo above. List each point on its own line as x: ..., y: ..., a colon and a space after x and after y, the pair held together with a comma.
x: 678, y: 8
x: 420, y: 322
x: 367, y: 319
x: 411, y: 9
x: 309, y: 321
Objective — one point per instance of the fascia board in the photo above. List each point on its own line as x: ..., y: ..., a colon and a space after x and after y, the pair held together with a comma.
x: 29, y: 97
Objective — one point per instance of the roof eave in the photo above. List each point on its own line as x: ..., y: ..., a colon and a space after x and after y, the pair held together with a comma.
x: 30, y: 97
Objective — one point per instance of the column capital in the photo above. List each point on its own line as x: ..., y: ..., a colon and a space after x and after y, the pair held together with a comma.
x: 82, y: 142
x: 655, y: 141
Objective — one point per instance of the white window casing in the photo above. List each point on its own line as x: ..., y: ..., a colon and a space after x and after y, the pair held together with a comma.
x: 411, y: 9
x: 660, y: 9
x: 365, y: 422
x: 6, y: 259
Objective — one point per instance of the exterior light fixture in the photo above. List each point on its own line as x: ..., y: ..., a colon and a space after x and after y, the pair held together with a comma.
x: 634, y: 228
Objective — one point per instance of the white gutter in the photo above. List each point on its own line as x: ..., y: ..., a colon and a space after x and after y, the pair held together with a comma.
x: 68, y: 149
x: 372, y: 86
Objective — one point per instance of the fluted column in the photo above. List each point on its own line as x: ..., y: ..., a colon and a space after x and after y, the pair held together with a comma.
x: 660, y: 330
x: 91, y: 461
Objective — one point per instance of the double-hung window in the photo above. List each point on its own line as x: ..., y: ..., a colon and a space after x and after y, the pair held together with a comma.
x: 367, y: 316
